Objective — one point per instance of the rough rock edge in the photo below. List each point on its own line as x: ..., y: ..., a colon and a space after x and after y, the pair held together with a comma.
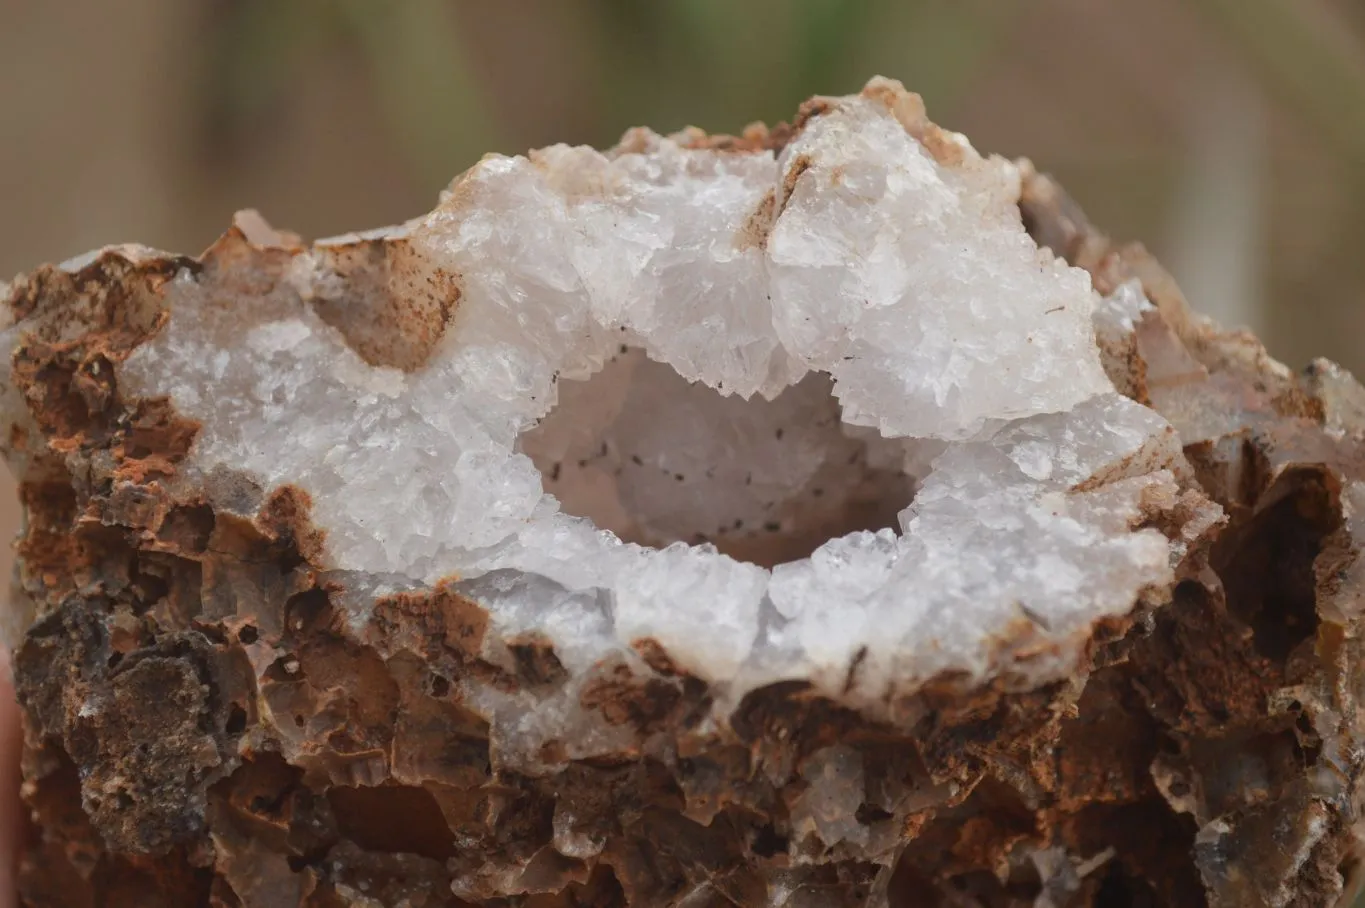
x: 203, y: 726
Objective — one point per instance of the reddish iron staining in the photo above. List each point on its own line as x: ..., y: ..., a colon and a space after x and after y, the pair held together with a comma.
x: 625, y: 699
x: 754, y: 235
x: 394, y: 310
x: 794, y: 171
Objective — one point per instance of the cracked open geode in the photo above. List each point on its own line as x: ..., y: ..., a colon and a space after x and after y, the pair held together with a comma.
x: 759, y: 521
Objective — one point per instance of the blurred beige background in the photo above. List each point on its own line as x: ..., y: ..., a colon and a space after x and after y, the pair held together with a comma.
x: 1227, y: 134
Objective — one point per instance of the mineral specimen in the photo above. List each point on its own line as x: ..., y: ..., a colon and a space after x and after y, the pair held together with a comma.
x: 758, y: 521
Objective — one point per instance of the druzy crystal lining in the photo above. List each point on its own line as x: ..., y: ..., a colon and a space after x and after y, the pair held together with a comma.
x: 860, y: 297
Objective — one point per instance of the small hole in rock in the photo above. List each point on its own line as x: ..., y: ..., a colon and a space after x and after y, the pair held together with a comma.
x: 440, y: 687
x: 1268, y: 567
x: 306, y: 610
x: 287, y: 669
x: 248, y: 634
x: 656, y: 459
x: 1123, y: 891
x: 236, y: 723
x: 867, y: 814
x: 767, y: 842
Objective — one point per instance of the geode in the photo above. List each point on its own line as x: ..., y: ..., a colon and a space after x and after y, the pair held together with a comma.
x: 824, y: 516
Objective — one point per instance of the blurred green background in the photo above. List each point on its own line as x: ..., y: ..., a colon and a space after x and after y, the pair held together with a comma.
x: 1229, y: 135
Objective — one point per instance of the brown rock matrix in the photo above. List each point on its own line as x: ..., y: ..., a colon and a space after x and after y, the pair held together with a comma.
x: 828, y: 516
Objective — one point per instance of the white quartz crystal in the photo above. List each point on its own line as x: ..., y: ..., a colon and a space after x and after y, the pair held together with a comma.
x: 744, y: 346
x: 916, y: 287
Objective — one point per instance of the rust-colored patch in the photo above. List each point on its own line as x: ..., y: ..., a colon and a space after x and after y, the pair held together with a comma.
x: 754, y: 233
x: 625, y: 699
x: 443, y: 616
x: 656, y: 657
x: 285, y: 518
x: 908, y: 109
x: 536, y: 662
x: 391, y: 307
x: 756, y: 138
x: 795, y: 169
x: 809, y: 110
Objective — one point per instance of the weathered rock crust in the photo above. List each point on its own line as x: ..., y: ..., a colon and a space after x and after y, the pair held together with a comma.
x: 204, y: 725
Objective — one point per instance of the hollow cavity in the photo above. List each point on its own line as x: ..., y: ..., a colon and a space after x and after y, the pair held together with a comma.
x: 656, y: 459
